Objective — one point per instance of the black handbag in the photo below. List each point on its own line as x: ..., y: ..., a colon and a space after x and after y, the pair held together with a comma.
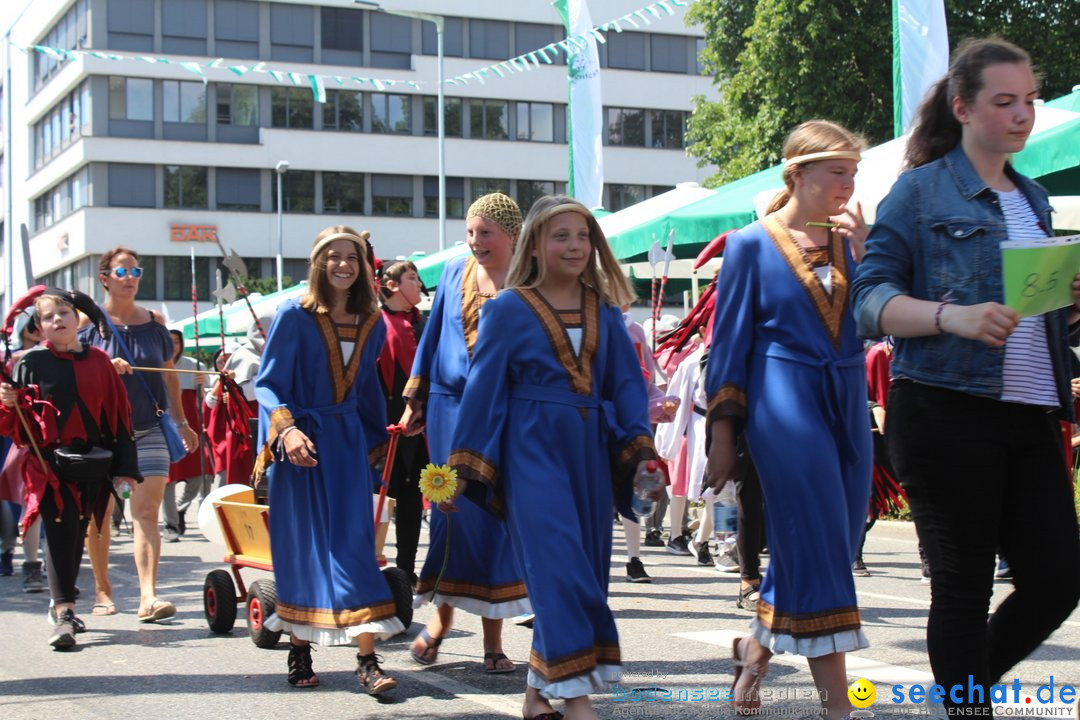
x: 82, y: 463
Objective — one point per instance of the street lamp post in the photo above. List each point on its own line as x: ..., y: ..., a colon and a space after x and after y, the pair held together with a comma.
x: 439, y: 22
x: 280, y: 169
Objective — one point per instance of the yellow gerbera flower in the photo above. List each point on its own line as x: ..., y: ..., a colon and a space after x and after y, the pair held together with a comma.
x: 438, y: 483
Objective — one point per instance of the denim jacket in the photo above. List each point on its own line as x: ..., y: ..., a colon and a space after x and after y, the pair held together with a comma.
x: 937, y: 237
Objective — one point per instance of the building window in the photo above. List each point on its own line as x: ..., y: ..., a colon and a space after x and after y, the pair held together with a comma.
x: 291, y: 107
x: 390, y: 113
x: 185, y: 186
x: 69, y: 33
x: 530, y: 36
x: 668, y: 127
x: 63, y: 125
x: 392, y: 195
x: 177, y: 277
x: 236, y: 29
x: 131, y: 185
x: 342, y: 29
x: 238, y: 105
x: 451, y: 116
x: 131, y: 98
x: 183, y: 26
x: 626, y: 127
x: 344, y: 110
x: 488, y: 119
x: 489, y: 39
x: 483, y: 186
x: 292, y: 32
x: 297, y: 192
x: 391, y: 41
x: 130, y: 25
x: 148, y: 283
x: 670, y: 53
x: 343, y: 193
x: 64, y: 198
x: 536, y: 122
x: 184, y: 102
x: 455, y: 197
x: 453, y: 38
x: 626, y: 50
x: 529, y: 191
x: 623, y: 196
x: 238, y: 189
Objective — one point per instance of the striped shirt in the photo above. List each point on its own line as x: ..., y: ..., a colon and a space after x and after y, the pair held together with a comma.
x: 1028, y: 376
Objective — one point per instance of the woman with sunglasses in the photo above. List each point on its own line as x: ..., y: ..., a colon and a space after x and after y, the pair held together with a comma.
x: 149, y: 342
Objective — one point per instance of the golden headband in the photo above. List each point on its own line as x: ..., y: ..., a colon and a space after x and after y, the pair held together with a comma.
x: 827, y: 155
x: 360, y: 241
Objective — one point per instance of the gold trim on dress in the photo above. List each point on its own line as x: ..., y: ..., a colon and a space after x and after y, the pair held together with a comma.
x: 728, y: 401
x: 471, y: 465
x: 334, y: 619
x: 417, y: 388
x: 634, y: 447
x: 471, y: 302
x: 507, y: 592
x: 578, y: 368
x: 574, y: 664
x: 342, y: 377
x: 807, y: 625
x: 830, y: 306
x: 280, y: 419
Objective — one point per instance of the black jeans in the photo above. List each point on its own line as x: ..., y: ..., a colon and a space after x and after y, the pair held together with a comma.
x: 982, y: 475
x: 409, y: 460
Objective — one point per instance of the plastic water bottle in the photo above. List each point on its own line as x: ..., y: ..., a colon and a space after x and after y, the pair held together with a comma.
x: 125, y: 490
x: 645, y: 482
x: 726, y: 510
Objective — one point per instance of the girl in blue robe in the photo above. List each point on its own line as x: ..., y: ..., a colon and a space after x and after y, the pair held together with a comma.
x: 322, y: 425
x: 480, y: 575
x: 787, y: 366
x: 557, y: 426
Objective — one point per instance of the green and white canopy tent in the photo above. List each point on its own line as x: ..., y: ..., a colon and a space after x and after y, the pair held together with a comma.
x: 237, y: 318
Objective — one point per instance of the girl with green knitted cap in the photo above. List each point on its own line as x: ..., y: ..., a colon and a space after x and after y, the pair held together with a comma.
x: 479, y: 574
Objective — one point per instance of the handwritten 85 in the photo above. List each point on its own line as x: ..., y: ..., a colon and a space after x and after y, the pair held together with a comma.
x: 1036, y: 283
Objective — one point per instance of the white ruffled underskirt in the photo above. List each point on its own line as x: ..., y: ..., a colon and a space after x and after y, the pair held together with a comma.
x: 843, y: 641
x: 381, y: 629
x: 491, y: 611
x: 599, y: 680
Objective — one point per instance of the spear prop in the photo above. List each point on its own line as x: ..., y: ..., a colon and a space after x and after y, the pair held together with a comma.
x: 668, y: 257
x: 656, y: 256
x: 238, y: 271
x: 199, y: 398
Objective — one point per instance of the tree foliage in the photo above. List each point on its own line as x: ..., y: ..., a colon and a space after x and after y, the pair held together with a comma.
x: 776, y: 63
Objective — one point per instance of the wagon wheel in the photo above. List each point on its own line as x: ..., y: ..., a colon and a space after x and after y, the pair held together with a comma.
x: 219, y: 601
x: 261, y: 602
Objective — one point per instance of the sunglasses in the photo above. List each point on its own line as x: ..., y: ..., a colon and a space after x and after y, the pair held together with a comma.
x: 122, y: 272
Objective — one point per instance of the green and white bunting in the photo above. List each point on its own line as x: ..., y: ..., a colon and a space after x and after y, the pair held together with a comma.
x: 523, y: 63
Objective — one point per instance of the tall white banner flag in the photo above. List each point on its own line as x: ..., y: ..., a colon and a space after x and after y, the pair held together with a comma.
x: 920, y: 55
x: 586, y: 118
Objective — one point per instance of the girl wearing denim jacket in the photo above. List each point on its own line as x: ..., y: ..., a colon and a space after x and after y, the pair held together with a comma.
x: 977, y: 391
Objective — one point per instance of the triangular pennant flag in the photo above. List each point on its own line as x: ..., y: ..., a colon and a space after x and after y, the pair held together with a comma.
x: 239, y: 69
x: 194, y: 67
x: 278, y: 77
x: 318, y: 89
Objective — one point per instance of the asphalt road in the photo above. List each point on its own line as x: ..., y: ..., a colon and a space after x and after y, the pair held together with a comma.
x: 676, y: 635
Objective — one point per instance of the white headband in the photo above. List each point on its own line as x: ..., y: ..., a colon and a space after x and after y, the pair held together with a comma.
x: 827, y: 155
x: 360, y: 241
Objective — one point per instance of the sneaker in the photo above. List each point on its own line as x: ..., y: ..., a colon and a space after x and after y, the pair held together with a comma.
x: 170, y: 534
x: 727, y: 560
x: 33, y: 579
x: 748, y: 598
x: 7, y: 563
x: 525, y: 619
x: 635, y: 572
x: 63, y: 634
x: 1003, y: 572
x: 701, y: 552
x: 678, y: 545
x: 654, y: 539
x: 924, y: 567
x: 76, y: 621
x: 858, y: 568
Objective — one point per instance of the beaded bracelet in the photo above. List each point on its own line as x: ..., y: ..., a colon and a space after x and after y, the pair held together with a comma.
x: 937, y: 316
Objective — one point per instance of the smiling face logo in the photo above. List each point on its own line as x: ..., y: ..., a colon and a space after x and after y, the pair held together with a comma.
x: 862, y: 693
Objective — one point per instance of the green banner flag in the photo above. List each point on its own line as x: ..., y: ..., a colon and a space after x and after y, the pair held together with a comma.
x: 1038, y: 274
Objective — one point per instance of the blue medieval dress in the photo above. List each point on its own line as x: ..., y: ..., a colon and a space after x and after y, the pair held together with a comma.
x: 481, y: 575
x: 787, y: 365
x: 322, y: 377
x: 558, y: 422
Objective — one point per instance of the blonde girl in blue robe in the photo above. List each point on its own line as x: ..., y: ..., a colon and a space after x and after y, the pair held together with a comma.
x: 554, y: 426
